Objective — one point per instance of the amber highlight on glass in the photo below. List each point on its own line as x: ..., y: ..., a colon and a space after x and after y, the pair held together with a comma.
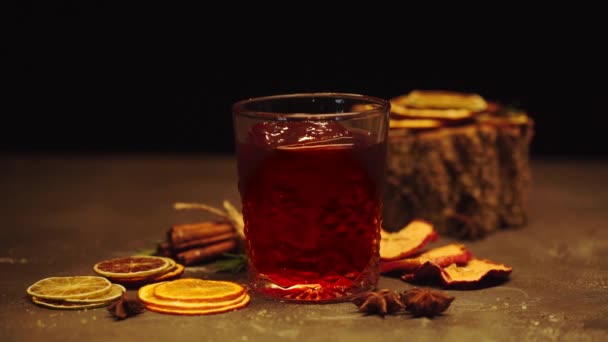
x: 311, y: 174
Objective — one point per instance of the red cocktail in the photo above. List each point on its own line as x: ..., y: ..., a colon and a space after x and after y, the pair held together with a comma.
x: 311, y: 193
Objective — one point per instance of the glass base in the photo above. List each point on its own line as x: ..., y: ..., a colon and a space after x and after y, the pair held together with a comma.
x: 319, y: 293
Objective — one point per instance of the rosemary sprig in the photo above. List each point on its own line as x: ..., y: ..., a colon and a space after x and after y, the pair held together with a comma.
x: 234, y: 263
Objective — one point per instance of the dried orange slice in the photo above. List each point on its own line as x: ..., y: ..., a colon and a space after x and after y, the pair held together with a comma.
x: 170, y: 263
x: 67, y: 305
x: 440, y: 99
x: 146, y: 295
x: 197, y: 290
x: 132, y: 267
x: 221, y: 309
x: 415, y: 124
x: 60, y: 288
x: 177, y: 271
x: 115, y: 292
x: 174, y: 273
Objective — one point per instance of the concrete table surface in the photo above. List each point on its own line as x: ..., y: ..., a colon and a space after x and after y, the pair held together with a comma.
x: 60, y: 215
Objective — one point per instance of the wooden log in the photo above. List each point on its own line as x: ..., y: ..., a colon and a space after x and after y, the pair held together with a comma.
x: 468, y: 179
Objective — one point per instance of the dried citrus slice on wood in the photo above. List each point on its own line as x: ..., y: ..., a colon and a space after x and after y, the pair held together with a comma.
x: 415, y: 124
x: 131, y: 267
x: 60, y: 288
x: 190, y: 289
x: 67, y: 305
x: 443, y: 100
x: 146, y: 295
x: 434, y: 114
x: 115, y: 292
x: 222, y: 309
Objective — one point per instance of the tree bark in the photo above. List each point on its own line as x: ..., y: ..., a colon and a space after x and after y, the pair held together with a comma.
x: 467, y: 180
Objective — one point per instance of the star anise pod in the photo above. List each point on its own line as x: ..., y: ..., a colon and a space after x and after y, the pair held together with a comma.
x: 125, y: 308
x: 380, y: 302
x: 425, y: 302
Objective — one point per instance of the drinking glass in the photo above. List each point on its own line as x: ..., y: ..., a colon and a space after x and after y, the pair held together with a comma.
x: 311, y: 175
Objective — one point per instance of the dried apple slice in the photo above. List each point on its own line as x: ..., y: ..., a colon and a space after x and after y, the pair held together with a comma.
x: 441, y: 256
x: 407, y: 241
x: 472, y: 273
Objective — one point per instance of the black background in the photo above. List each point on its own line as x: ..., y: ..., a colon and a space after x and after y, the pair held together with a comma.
x: 100, y: 77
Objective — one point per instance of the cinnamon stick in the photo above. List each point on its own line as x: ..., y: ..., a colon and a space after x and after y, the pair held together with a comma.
x: 197, y: 255
x: 180, y: 234
x: 164, y: 249
x: 204, y: 241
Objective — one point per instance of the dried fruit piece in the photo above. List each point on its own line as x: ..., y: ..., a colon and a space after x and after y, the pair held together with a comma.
x: 427, y: 270
x: 115, y: 292
x: 60, y: 288
x: 146, y: 295
x: 132, y: 267
x: 436, y: 114
x: 59, y: 304
x: 441, y: 256
x: 425, y: 302
x: 174, y: 273
x: 193, y: 297
x: 441, y: 99
x: 407, y: 241
x: 474, y: 271
x: 223, y: 309
x: 417, y: 124
x: 381, y: 302
x: 190, y: 289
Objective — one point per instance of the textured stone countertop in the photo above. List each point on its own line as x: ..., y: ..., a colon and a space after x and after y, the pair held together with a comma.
x: 62, y: 214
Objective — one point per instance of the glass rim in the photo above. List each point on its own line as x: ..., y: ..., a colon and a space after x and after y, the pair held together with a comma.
x: 383, y: 106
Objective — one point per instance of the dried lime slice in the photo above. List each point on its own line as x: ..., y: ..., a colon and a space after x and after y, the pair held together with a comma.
x: 57, y: 304
x: 61, y: 288
x: 115, y: 292
x: 131, y: 267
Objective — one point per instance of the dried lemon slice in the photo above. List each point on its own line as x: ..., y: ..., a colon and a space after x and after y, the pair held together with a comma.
x: 131, y: 267
x: 60, y: 288
x: 146, y: 295
x: 67, y: 305
x: 221, y: 309
x: 115, y: 292
x: 197, y: 290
